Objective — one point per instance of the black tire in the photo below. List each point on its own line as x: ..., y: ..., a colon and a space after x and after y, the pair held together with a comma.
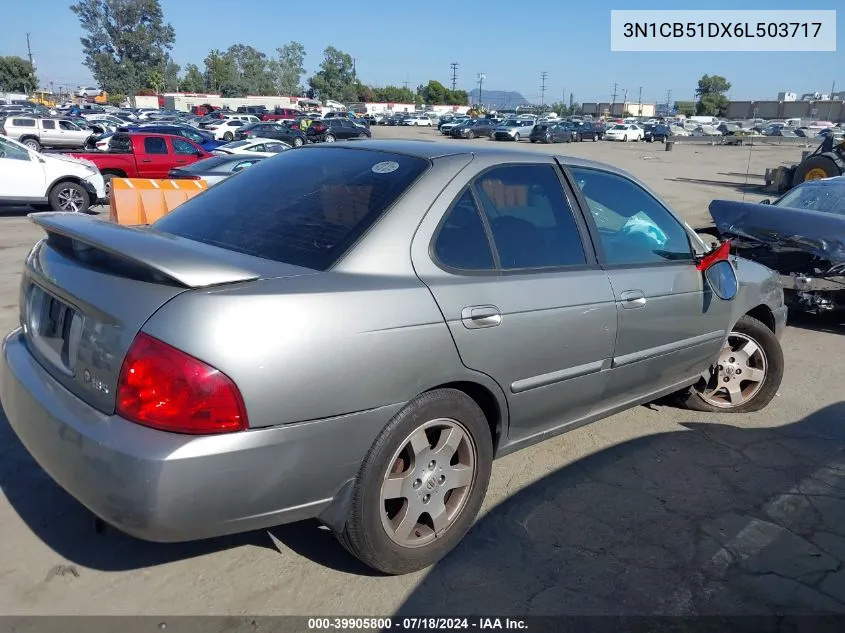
x: 363, y: 135
x: 516, y: 137
x: 363, y: 534
x: 766, y: 340
x: 32, y: 143
x: 813, y: 167
x: 228, y: 136
x: 533, y: 140
x: 63, y: 191
x: 595, y: 138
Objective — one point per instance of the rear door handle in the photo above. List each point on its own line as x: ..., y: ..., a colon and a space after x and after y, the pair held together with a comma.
x: 475, y: 317
x: 146, y: 160
x: 633, y: 299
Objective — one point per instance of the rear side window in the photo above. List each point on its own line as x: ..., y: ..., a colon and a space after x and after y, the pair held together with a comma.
x: 462, y: 242
x: 532, y: 223
x: 155, y: 145
x: 310, y: 220
x: 23, y: 122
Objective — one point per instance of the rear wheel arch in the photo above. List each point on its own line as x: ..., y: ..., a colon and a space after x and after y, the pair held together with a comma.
x: 486, y: 401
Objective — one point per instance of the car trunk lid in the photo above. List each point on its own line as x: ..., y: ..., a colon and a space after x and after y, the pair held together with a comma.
x: 91, y: 285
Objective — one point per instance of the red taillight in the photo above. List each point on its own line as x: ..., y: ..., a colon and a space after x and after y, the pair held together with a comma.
x: 167, y: 389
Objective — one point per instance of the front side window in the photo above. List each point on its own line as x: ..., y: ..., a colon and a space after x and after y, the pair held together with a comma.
x: 461, y: 242
x: 67, y: 125
x: 532, y: 223
x: 634, y: 228
x: 183, y: 147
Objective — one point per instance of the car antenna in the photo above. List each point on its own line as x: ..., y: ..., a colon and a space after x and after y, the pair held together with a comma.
x: 747, y: 170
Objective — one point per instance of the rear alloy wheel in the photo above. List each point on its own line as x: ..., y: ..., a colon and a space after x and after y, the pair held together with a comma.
x: 595, y: 137
x: 228, y: 136
x: 297, y: 142
x: 363, y: 135
x: 69, y: 197
x: 421, y: 484
x: 625, y: 139
x: 33, y: 144
x: 516, y: 137
x: 470, y: 134
x: 747, y: 374
x: 329, y: 138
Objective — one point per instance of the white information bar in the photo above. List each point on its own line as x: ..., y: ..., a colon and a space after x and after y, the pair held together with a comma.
x: 714, y: 30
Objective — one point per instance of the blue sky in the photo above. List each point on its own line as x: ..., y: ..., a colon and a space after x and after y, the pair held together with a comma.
x: 395, y: 42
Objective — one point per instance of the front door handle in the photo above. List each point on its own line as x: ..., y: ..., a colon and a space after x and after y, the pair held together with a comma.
x: 633, y: 299
x: 475, y: 317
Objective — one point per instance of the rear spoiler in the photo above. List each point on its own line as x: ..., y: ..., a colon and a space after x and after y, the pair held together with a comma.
x: 821, y: 234
x: 188, y: 263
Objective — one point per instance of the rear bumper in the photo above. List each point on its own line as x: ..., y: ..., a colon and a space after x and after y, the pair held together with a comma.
x: 167, y: 487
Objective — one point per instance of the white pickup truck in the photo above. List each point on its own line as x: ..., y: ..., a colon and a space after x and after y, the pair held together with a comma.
x: 63, y: 183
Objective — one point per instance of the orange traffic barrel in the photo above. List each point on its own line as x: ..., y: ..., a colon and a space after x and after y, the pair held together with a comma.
x: 134, y: 201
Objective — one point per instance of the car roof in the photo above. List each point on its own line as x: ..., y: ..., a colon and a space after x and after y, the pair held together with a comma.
x: 436, y: 149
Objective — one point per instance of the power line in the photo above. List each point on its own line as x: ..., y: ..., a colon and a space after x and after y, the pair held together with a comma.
x: 543, y: 76
x: 454, y: 67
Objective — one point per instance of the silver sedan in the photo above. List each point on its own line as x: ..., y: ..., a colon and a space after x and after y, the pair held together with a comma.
x: 354, y: 332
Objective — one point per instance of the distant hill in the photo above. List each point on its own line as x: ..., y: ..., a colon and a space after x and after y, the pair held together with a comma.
x: 499, y: 99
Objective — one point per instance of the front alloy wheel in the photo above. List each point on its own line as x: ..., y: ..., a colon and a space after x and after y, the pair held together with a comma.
x: 747, y: 374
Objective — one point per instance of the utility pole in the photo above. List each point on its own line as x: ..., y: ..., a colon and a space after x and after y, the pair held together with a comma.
x: 454, y: 67
x: 31, y: 63
x: 668, y: 102
x: 481, y: 78
x: 830, y: 104
x: 543, y: 76
x: 640, y: 102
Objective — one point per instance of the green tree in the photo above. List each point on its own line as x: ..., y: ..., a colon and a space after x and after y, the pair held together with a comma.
x: 193, y: 80
x: 336, y: 78
x: 155, y: 80
x: 711, y: 93
x: 253, y: 72
x: 171, y: 75
x: 124, y: 39
x: 434, y: 93
x: 394, y: 94
x: 117, y: 99
x: 16, y: 75
x: 291, y: 67
x: 221, y: 75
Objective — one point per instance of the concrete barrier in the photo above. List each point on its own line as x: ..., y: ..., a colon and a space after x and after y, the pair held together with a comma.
x: 136, y: 201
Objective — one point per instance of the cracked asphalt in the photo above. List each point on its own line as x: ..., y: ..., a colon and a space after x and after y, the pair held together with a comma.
x: 655, y: 511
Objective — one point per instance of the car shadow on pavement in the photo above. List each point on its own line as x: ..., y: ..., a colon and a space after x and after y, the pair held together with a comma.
x: 730, y: 184
x: 707, y: 519
x: 711, y: 519
x: 829, y: 322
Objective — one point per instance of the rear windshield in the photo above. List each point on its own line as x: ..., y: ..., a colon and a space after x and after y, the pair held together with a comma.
x: 305, y: 207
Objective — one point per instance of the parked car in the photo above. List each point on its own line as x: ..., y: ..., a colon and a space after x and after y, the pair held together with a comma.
x: 89, y: 92
x: 474, y: 128
x: 513, y: 130
x: 335, y: 129
x: 588, y: 130
x: 551, y: 132
x: 801, y: 235
x: 215, y: 169
x: 277, y: 131
x: 416, y: 120
x: 282, y: 114
x: 224, y: 129
x: 171, y: 404
x: 446, y: 128
x: 202, y: 138
x: 624, y: 132
x: 257, y: 145
x: 143, y: 155
x: 36, y: 132
x: 59, y: 182
x: 660, y: 133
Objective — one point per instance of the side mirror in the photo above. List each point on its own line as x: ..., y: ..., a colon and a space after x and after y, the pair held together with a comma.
x: 766, y: 201
x: 722, y: 279
x: 199, y: 153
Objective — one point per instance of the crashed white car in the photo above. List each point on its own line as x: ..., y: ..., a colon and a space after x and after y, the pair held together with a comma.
x: 47, y: 180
